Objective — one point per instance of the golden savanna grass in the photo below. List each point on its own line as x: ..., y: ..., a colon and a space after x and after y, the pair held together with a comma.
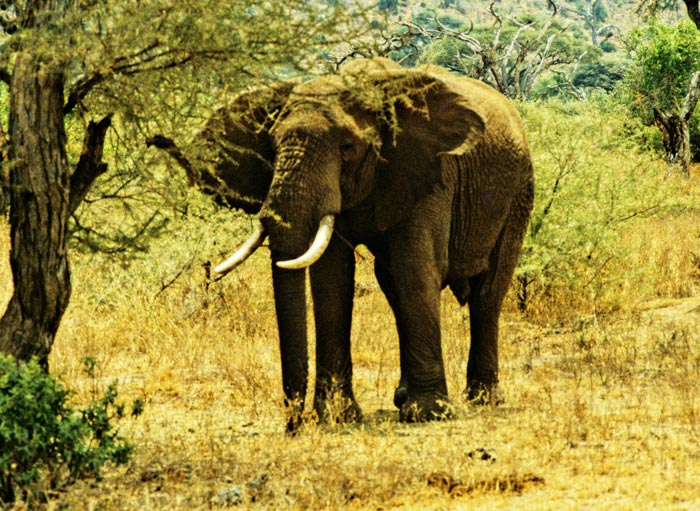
x: 602, y: 404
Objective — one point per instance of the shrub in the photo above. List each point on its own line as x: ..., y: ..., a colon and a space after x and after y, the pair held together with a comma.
x: 592, y: 186
x: 44, y: 443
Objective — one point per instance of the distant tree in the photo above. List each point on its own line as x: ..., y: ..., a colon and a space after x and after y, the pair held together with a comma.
x: 601, y: 74
x: 389, y: 5
x: 511, y: 54
x: 455, y: 4
x: 693, y: 7
x: 98, y: 66
x: 652, y: 7
x: 663, y: 84
x: 594, y: 15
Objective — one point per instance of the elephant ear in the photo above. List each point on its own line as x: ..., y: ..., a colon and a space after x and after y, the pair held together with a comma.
x: 431, y: 115
x: 237, y: 150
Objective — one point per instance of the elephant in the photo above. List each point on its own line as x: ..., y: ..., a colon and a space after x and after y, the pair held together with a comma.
x: 430, y: 171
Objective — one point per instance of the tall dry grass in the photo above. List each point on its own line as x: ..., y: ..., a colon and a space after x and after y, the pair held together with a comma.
x: 600, y: 376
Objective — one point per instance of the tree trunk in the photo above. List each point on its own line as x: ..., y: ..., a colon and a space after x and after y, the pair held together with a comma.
x: 675, y: 129
x: 676, y: 137
x: 39, y: 211
x: 693, y: 11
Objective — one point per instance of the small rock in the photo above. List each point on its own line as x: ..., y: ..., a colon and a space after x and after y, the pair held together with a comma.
x: 440, y: 480
x: 231, y: 497
x: 482, y: 454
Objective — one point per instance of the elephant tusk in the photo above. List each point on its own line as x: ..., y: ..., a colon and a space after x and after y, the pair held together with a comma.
x: 317, y: 248
x: 244, y: 251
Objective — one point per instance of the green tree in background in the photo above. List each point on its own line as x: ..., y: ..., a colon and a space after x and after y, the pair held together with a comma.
x: 511, y: 52
x: 652, y: 7
x: 123, y: 67
x: 663, y: 84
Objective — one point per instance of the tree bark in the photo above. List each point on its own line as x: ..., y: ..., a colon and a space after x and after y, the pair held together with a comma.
x: 39, y: 211
x: 693, y: 11
x: 676, y: 137
x: 4, y: 174
x: 675, y: 130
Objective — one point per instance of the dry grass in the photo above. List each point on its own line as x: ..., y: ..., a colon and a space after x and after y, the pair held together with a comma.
x: 603, y: 413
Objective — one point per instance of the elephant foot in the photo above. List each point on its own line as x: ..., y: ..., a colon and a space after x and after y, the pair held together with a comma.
x: 338, y: 409
x: 400, y: 395
x: 295, y: 420
x: 426, y: 407
x: 481, y: 393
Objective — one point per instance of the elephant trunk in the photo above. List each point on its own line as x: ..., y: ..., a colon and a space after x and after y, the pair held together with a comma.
x: 299, y: 210
x: 290, y: 306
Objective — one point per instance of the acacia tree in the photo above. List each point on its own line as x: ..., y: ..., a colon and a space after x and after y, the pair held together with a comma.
x: 594, y: 15
x: 101, y: 65
x: 511, y: 55
x: 652, y: 7
x: 663, y: 82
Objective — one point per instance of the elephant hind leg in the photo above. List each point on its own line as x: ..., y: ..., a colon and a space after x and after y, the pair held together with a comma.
x: 487, y: 291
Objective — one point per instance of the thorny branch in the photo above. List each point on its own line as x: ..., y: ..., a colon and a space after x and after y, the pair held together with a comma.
x: 512, y: 70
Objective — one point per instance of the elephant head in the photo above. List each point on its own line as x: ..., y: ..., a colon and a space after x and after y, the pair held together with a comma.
x: 371, y: 135
x: 232, y: 157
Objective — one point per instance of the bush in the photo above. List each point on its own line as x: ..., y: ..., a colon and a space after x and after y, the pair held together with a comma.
x: 44, y: 443
x: 593, y: 185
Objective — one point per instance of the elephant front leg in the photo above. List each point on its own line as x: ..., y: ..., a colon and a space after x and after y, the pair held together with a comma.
x: 332, y: 288
x: 290, y: 306
x: 414, y: 294
x: 386, y: 284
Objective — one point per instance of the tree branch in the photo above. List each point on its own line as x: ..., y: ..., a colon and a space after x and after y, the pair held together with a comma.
x: 5, y: 75
x: 168, y: 145
x: 661, y: 119
x: 691, y: 99
x: 693, y: 7
x: 90, y: 166
x: 80, y: 90
x: 130, y: 64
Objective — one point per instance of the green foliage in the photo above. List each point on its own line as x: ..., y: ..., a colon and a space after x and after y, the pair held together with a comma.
x: 45, y: 444
x: 389, y: 5
x: 592, y: 183
x: 510, y: 54
x: 162, y: 67
x: 664, y: 57
x: 608, y: 46
x: 603, y: 74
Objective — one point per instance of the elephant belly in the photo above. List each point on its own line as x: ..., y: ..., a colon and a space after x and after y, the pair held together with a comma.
x: 480, y: 207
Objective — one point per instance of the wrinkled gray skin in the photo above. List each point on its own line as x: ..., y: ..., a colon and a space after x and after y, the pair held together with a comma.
x: 435, y: 179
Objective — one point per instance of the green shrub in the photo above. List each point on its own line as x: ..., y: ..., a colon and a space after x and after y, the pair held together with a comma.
x: 45, y: 444
x: 593, y: 184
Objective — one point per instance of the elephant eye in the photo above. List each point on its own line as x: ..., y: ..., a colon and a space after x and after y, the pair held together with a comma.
x: 348, y: 151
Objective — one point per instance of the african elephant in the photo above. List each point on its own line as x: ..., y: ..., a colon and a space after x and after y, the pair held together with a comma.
x: 431, y: 172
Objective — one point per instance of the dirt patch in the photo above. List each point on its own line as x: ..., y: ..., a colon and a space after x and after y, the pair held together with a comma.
x: 504, y: 483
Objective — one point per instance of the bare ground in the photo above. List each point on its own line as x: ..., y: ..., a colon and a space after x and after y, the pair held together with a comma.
x: 603, y: 413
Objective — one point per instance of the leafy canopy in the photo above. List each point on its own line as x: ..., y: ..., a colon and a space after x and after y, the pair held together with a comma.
x: 664, y: 57
x: 162, y: 67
